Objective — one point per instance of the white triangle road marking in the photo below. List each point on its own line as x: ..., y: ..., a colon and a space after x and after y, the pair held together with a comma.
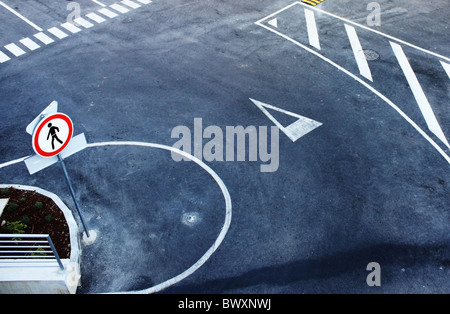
x: 294, y: 131
x: 274, y: 22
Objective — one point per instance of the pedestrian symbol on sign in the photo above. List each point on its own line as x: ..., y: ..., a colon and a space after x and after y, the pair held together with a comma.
x: 52, y: 132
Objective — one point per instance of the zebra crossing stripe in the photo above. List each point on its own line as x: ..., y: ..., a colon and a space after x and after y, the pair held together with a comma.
x: 44, y: 38
x: 57, y: 32
x: 4, y: 57
x: 27, y: 42
x: 131, y: 4
x: 446, y: 67
x: 15, y: 50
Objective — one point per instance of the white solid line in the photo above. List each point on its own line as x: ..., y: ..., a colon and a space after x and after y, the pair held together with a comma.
x: 27, y: 42
x: 360, y: 57
x: 313, y: 35
x: 21, y: 17
x: 273, y: 22
x: 108, y: 13
x: 95, y: 17
x: 366, y: 28
x: 99, y: 3
x: 44, y: 38
x: 119, y: 8
x: 81, y: 21
x: 419, y: 94
x: 71, y: 28
x: 131, y: 4
x: 15, y: 50
x: 145, y: 1
x: 4, y: 57
x: 446, y: 67
x: 58, y: 33
x: 362, y: 82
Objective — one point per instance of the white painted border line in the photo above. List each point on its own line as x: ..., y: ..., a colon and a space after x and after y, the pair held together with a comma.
x: 119, y: 8
x: 95, y: 17
x: 446, y: 67
x: 108, y: 13
x: 23, y: 18
x: 15, y: 50
x: 44, y: 38
x: 131, y: 4
x: 419, y: 94
x: 71, y: 27
x: 311, y: 25
x: 356, y: 78
x: 57, y: 32
x: 27, y: 42
x: 145, y: 1
x: 358, y: 52
x: 4, y: 57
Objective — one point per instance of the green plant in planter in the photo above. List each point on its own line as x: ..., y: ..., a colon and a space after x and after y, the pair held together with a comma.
x: 48, y: 218
x: 26, y: 220
x: 38, y: 205
x: 16, y: 227
x: 12, y: 207
x: 4, y: 191
x: 38, y: 252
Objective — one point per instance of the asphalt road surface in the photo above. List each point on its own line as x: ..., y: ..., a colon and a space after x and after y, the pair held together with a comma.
x: 363, y: 157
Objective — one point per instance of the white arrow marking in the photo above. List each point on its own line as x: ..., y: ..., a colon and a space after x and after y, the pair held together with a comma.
x: 274, y: 22
x: 296, y: 130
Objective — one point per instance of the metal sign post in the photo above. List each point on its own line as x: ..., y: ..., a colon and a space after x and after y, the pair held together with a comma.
x: 52, y: 141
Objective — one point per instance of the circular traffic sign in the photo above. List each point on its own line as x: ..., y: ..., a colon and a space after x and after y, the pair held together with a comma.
x: 52, y: 135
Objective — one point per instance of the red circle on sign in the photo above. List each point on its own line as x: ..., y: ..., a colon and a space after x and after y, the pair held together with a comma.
x: 43, y: 123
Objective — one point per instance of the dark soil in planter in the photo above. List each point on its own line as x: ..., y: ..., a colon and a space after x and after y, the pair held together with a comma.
x: 40, y: 215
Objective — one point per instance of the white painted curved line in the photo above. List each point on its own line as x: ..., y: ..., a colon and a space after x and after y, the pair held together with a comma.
x: 222, y: 234
x: 356, y: 78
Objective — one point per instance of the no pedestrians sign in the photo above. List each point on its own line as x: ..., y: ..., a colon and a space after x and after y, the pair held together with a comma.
x: 52, y: 135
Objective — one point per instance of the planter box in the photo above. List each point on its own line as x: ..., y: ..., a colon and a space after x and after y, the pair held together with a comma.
x: 21, y: 277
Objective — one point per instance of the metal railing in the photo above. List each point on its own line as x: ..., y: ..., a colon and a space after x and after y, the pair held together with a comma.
x: 28, y: 250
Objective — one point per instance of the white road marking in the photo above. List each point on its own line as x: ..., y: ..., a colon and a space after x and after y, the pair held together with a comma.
x: 313, y: 35
x: 44, y: 38
x: 15, y: 50
x: 3, y: 203
x: 23, y: 18
x: 99, y: 3
x: 145, y: 1
x: 71, y: 28
x: 296, y: 130
x: 446, y: 67
x: 108, y: 13
x: 27, y: 42
x: 95, y: 17
x: 3, y: 57
x: 417, y: 90
x: 359, y: 25
x: 57, y: 32
x: 81, y: 21
x: 273, y: 22
x: 119, y: 8
x: 131, y: 4
x: 360, y: 57
x: 356, y: 78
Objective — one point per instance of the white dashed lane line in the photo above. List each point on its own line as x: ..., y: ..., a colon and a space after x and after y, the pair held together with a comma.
x: 27, y: 44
